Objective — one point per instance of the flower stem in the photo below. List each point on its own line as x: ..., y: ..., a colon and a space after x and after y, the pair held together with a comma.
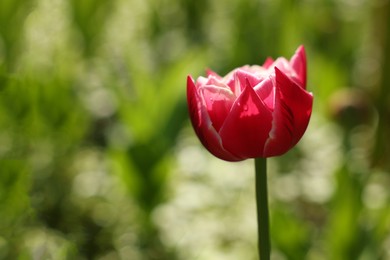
x: 262, y: 208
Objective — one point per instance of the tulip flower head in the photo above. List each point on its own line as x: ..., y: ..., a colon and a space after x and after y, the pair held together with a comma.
x: 253, y: 111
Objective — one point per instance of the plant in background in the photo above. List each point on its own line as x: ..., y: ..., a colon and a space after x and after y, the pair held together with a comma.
x: 253, y: 112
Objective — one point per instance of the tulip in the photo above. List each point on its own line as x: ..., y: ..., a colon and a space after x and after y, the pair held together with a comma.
x: 253, y: 111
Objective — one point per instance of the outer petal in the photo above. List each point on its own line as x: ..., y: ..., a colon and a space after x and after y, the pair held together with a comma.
x: 298, y: 100
x: 202, y: 124
x: 281, y: 135
x: 298, y: 63
x: 247, y: 127
x: 293, y: 106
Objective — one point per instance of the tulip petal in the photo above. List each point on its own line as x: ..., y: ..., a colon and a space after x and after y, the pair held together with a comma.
x: 293, y: 106
x: 200, y: 81
x: 210, y: 72
x: 246, y: 128
x: 283, y: 65
x: 218, y: 101
x: 268, y: 63
x: 281, y: 134
x: 231, y: 81
x: 243, y: 76
x: 210, y: 80
x: 298, y: 63
x: 266, y: 92
x: 202, y: 124
x: 298, y: 100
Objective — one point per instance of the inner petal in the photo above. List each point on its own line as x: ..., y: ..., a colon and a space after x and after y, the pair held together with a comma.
x: 268, y: 63
x: 243, y: 76
x: 266, y: 92
x: 218, y: 101
x: 283, y: 65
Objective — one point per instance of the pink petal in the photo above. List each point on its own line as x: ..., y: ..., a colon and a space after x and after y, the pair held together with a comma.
x: 202, y: 124
x: 218, y: 101
x: 266, y: 92
x: 246, y: 128
x: 209, y: 72
x: 268, y: 63
x: 293, y: 107
x: 200, y: 81
x: 243, y: 76
x: 211, y: 80
x: 283, y: 65
x: 231, y: 84
x: 281, y: 134
x: 298, y: 63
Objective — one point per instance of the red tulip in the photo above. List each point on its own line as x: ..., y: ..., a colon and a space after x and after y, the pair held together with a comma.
x: 254, y: 111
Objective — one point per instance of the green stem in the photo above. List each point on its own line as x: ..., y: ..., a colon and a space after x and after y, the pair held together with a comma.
x: 262, y: 208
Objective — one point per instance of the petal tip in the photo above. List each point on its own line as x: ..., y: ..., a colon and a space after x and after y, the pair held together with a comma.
x: 298, y: 63
x: 190, y: 79
x: 190, y: 84
x: 301, y: 49
x: 268, y: 62
x: 279, y: 73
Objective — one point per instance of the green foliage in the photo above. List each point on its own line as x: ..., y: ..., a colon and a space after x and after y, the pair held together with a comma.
x: 98, y: 159
x: 12, y: 17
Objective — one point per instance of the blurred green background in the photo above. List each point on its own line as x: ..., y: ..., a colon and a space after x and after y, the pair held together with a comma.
x: 98, y: 159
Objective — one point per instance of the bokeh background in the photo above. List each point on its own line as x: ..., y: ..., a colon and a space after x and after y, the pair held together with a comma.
x: 98, y: 159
